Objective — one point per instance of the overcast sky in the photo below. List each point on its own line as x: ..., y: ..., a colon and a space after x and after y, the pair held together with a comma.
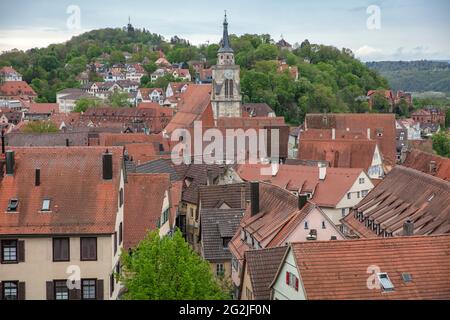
x: 409, y: 29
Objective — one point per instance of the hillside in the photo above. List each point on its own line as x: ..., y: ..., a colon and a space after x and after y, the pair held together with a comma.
x: 330, y: 79
x: 415, y: 76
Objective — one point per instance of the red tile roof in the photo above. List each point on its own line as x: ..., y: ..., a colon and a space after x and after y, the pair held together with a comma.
x: 305, y: 179
x: 44, y: 108
x: 144, y: 197
x: 81, y: 201
x: 421, y: 161
x: 339, y: 153
x: 192, y: 107
x: 405, y: 194
x: 338, y: 270
x: 379, y: 124
x: 16, y: 88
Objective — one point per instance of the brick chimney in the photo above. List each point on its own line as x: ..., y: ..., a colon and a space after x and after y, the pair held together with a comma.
x: 254, y: 198
x: 433, y: 167
x: 302, y: 200
x: 107, y: 165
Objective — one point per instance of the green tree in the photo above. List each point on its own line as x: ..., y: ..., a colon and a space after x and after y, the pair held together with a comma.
x: 85, y: 103
x: 119, y: 100
x: 167, y: 269
x: 40, y: 127
x: 116, y: 57
x: 150, y: 68
x: 441, y: 144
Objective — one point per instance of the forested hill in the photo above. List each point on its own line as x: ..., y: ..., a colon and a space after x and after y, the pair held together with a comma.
x: 415, y: 76
x: 330, y: 78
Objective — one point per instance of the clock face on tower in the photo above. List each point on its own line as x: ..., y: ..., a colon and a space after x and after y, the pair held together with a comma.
x: 229, y: 74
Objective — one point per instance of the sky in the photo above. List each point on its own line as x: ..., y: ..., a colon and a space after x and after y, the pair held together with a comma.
x: 373, y: 29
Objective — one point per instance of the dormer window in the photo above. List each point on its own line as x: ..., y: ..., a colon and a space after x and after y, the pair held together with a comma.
x: 13, y: 205
x: 45, y: 205
x: 225, y: 242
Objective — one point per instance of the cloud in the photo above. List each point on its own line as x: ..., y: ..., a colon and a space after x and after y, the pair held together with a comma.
x: 367, y: 51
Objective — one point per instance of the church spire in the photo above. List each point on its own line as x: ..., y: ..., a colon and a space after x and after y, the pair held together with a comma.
x: 225, y: 48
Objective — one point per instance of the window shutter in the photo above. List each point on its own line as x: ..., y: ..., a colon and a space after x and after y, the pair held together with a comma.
x: 296, y: 283
x: 93, y: 249
x: 287, y: 278
x: 21, y: 251
x: 21, y: 291
x: 50, y: 291
x: 1, y: 291
x: 99, y: 290
x: 65, y: 249
x: 84, y: 249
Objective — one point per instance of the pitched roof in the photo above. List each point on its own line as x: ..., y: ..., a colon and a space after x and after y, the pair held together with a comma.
x: 419, y: 160
x: 18, y: 139
x: 16, y: 88
x: 144, y: 197
x: 160, y: 166
x: 305, y: 179
x: 192, y: 106
x: 262, y: 266
x: 81, y: 201
x: 44, y: 108
x: 405, y: 194
x: 247, y: 123
x: 196, y: 174
x: 338, y: 270
x: 217, y: 224
x: 339, y: 153
x: 383, y: 124
x: 233, y: 195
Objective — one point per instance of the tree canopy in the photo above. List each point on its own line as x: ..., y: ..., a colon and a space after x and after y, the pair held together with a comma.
x: 40, y: 127
x: 167, y: 269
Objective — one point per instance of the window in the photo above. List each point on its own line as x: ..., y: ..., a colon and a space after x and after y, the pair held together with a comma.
x: 229, y: 88
x: 10, y: 290
x: 112, y: 283
x: 220, y: 269
x: 13, y: 205
x: 243, y: 236
x: 324, y: 226
x: 306, y: 225
x: 292, y: 280
x: 191, y: 210
x: 45, y: 205
x: 235, y: 264
x: 344, y: 212
x: 385, y: 282
x: 89, y: 289
x: 225, y: 242
x: 61, y: 249
x: 358, y: 194
x: 88, y: 249
x: 115, y: 242
x: 364, y: 193
x: 61, y: 290
x: 9, y: 251
x: 362, y: 180
x: 349, y: 196
x: 120, y: 233
x: 165, y: 216
x: 121, y: 197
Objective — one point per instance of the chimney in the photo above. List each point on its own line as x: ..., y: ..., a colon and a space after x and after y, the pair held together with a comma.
x: 275, y: 168
x: 9, y: 162
x: 408, y: 228
x: 37, y: 178
x: 302, y: 200
x: 107, y: 166
x: 254, y: 198
x: 433, y: 166
x: 67, y: 142
x: 3, y: 142
x: 209, y: 177
x: 161, y: 147
x: 322, y: 172
x: 333, y: 134
x: 368, y: 134
x: 243, y: 198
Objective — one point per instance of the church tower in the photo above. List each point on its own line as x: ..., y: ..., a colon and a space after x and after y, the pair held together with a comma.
x: 226, y: 92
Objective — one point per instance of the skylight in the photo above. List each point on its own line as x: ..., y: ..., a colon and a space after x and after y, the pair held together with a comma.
x: 385, y: 282
x: 46, y: 205
x: 13, y: 204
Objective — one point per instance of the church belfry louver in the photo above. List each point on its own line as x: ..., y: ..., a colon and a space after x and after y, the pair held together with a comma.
x: 226, y: 96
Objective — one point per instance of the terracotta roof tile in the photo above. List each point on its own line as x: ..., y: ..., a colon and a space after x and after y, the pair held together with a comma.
x: 421, y: 161
x: 81, y: 201
x: 338, y: 270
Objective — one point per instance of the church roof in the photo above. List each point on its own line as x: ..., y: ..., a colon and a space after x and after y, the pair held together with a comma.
x: 225, y: 44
